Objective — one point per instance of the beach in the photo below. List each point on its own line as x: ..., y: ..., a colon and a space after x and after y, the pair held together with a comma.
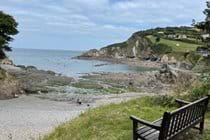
x: 29, y: 117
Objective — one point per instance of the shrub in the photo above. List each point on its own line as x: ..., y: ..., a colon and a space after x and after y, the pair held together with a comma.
x: 200, y: 91
x: 161, y: 48
x: 193, y: 58
x: 162, y: 100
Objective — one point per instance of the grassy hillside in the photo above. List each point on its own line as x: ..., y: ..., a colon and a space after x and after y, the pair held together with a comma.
x: 177, y: 46
x: 112, y: 122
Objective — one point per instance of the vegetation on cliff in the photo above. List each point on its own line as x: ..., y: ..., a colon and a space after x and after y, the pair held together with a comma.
x: 144, y: 45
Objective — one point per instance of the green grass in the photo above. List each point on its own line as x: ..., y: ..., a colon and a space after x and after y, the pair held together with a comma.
x: 87, y: 84
x: 113, y: 90
x: 111, y: 122
x: 183, y: 47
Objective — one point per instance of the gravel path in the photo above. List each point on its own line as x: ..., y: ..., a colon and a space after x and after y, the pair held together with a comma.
x: 29, y: 117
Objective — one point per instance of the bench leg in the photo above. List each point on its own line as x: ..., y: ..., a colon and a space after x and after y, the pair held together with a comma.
x: 201, y: 127
x: 135, y: 125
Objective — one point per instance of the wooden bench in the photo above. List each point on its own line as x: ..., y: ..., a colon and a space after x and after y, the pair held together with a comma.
x: 189, y: 115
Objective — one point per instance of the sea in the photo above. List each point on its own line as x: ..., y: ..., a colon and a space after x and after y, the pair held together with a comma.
x: 61, y: 61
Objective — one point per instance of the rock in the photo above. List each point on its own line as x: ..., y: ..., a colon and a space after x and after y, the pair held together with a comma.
x: 9, y: 86
x: 33, y: 80
x: 51, y: 72
x: 169, y: 74
x: 146, y: 58
x: 153, y: 58
x: 164, y: 59
x: 184, y: 65
x: 164, y: 68
x: 6, y: 61
x: 91, y: 53
x: 173, y: 60
x: 31, y: 68
x: 21, y: 66
x: 16, y: 96
x: 99, y: 65
x: 130, y: 83
x: 79, y: 101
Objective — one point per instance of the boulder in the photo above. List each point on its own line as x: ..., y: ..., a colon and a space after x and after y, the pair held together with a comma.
x: 173, y: 60
x: 31, y: 68
x: 167, y: 59
x: 21, y: 66
x: 153, y: 58
x: 164, y: 59
x: 170, y: 74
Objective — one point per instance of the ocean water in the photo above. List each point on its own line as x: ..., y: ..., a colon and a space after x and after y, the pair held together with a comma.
x: 61, y: 61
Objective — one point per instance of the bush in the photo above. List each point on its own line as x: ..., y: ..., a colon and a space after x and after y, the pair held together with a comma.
x: 200, y: 91
x: 163, y: 100
x: 161, y: 48
x: 194, y: 58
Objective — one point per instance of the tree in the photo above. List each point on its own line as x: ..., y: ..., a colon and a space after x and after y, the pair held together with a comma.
x: 157, y: 39
x: 8, y: 28
x: 205, y: 25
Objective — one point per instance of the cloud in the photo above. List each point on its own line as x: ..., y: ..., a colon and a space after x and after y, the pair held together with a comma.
x: 100, y: 19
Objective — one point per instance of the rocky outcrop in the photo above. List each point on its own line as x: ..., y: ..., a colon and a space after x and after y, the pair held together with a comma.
x: 34, y: 81
x: 9, y: 86
x: 135, y: 47
x: 173, y: 74
x: 167, y: 59
x: 91, y: 53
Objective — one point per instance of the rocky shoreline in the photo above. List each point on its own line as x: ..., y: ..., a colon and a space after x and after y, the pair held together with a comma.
x: 30, y: 80
x: 160, y: 79
x: 127, y: 61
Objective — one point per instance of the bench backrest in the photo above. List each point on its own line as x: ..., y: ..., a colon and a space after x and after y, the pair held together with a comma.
x: 183, y: 118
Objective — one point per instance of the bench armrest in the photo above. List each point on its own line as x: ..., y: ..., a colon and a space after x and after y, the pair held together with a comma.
x: 182, y: 102
x: 149, y: 124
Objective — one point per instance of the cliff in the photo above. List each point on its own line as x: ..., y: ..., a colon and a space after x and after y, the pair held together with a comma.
x: 135, y: 47
x: 151, y: 44
x: 167, y: 45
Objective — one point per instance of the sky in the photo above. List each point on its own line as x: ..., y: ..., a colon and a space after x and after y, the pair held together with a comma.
x: 87, y: 24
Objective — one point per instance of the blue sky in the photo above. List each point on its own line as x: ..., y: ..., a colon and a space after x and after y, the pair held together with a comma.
x: 86, y: 24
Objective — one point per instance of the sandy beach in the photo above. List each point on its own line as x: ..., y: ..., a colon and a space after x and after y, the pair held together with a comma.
x: 29, y: 117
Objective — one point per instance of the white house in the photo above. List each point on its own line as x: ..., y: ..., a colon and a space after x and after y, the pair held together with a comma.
x: 203, y: 52
x: 183, y: 36
x: 205, y: 36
